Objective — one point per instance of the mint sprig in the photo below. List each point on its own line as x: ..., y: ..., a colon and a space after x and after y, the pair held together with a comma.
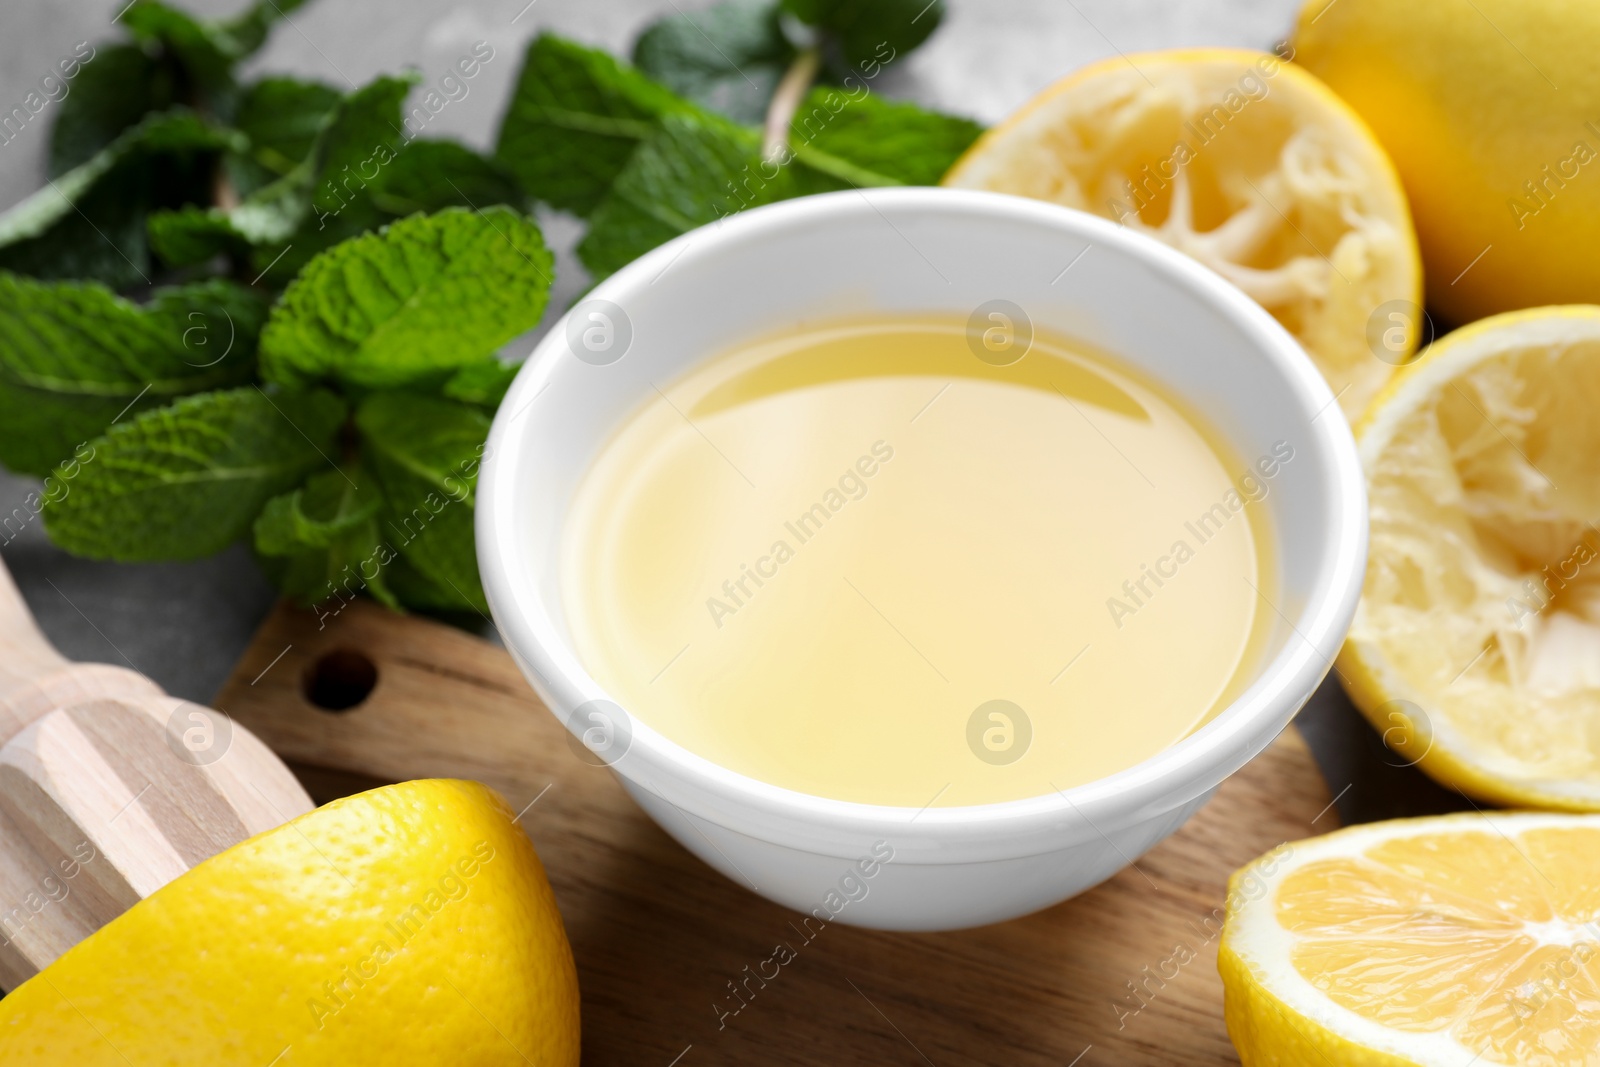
x: 266, y: 310
x: 374, y: 318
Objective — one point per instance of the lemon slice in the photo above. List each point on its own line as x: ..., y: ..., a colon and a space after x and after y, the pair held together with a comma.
x: 1476, y: 646
x: 1251, y: 166
x: 1465, y: 939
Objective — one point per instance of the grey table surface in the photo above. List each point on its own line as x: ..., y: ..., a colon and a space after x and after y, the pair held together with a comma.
x: 186, y: 624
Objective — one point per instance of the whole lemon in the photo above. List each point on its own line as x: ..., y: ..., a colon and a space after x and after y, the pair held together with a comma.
x: 408, y: 925
x: 1491, y: 112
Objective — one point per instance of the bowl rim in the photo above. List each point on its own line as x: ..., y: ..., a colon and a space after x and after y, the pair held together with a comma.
x: 1164, y: 781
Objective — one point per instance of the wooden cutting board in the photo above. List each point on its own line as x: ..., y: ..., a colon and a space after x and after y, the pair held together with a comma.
x: 1106, y: 978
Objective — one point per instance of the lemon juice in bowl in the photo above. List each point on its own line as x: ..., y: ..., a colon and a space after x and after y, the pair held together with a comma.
x: 890, y: 561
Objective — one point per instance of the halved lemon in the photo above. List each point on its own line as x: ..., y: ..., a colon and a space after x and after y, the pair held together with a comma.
x: 409, y: 925
x: 1464, y: 939
x: 1248, y: 164
x: 1476, y: 646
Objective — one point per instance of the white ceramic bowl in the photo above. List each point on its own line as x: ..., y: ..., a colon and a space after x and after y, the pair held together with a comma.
x: 899, y: 251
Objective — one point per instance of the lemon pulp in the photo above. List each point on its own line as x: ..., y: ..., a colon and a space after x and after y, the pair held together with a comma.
x: 1475, y: 645
x: 1246, y: 163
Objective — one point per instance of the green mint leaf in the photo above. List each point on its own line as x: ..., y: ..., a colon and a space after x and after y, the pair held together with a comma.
x: 483, y: 383
x: 218, y: 322
x: 273, y: 214
x: 330, y: 504
x: 90, y: 222
x: 281, y: 117
x: 193, y: 234
x: 186, y: 480
x: 425, y: 452
x: 327, y: 199
x: 871, y: 31
x: 728, y: 58
x: 176, y: 58
x: 74, y: 357
x: 693, y: 171
x: 247, y: 31
x: 698, y: 168
x: 321, y: 540
x: 866, y: 140
x: 112, y: 88
x: 106, y: 242
x: 205, y: 52
x: 322, y: 200
x: 410, y: 303
x: 573, y: 121
x: 432, y: 175
x: 417, y: 591
x: 176, y: 131
x: 361, y: 135
x: 268, y: 217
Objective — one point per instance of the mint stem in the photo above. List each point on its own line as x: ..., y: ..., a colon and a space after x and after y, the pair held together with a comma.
x: 223, y: 194
x: 786, y: 101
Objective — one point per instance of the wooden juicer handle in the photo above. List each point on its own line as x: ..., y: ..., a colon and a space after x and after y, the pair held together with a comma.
x: 109, y: 789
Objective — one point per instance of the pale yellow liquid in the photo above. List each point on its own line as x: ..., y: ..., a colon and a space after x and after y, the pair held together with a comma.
x: 981, y: 559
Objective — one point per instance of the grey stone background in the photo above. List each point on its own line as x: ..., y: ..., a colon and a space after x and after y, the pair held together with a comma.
x: 186, y: 624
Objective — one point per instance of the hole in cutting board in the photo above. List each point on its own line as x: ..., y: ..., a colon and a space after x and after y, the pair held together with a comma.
x: 340, y: 680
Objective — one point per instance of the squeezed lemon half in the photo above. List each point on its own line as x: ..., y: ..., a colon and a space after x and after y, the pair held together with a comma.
x: 1476, y: 646
x: 1249, y: 165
